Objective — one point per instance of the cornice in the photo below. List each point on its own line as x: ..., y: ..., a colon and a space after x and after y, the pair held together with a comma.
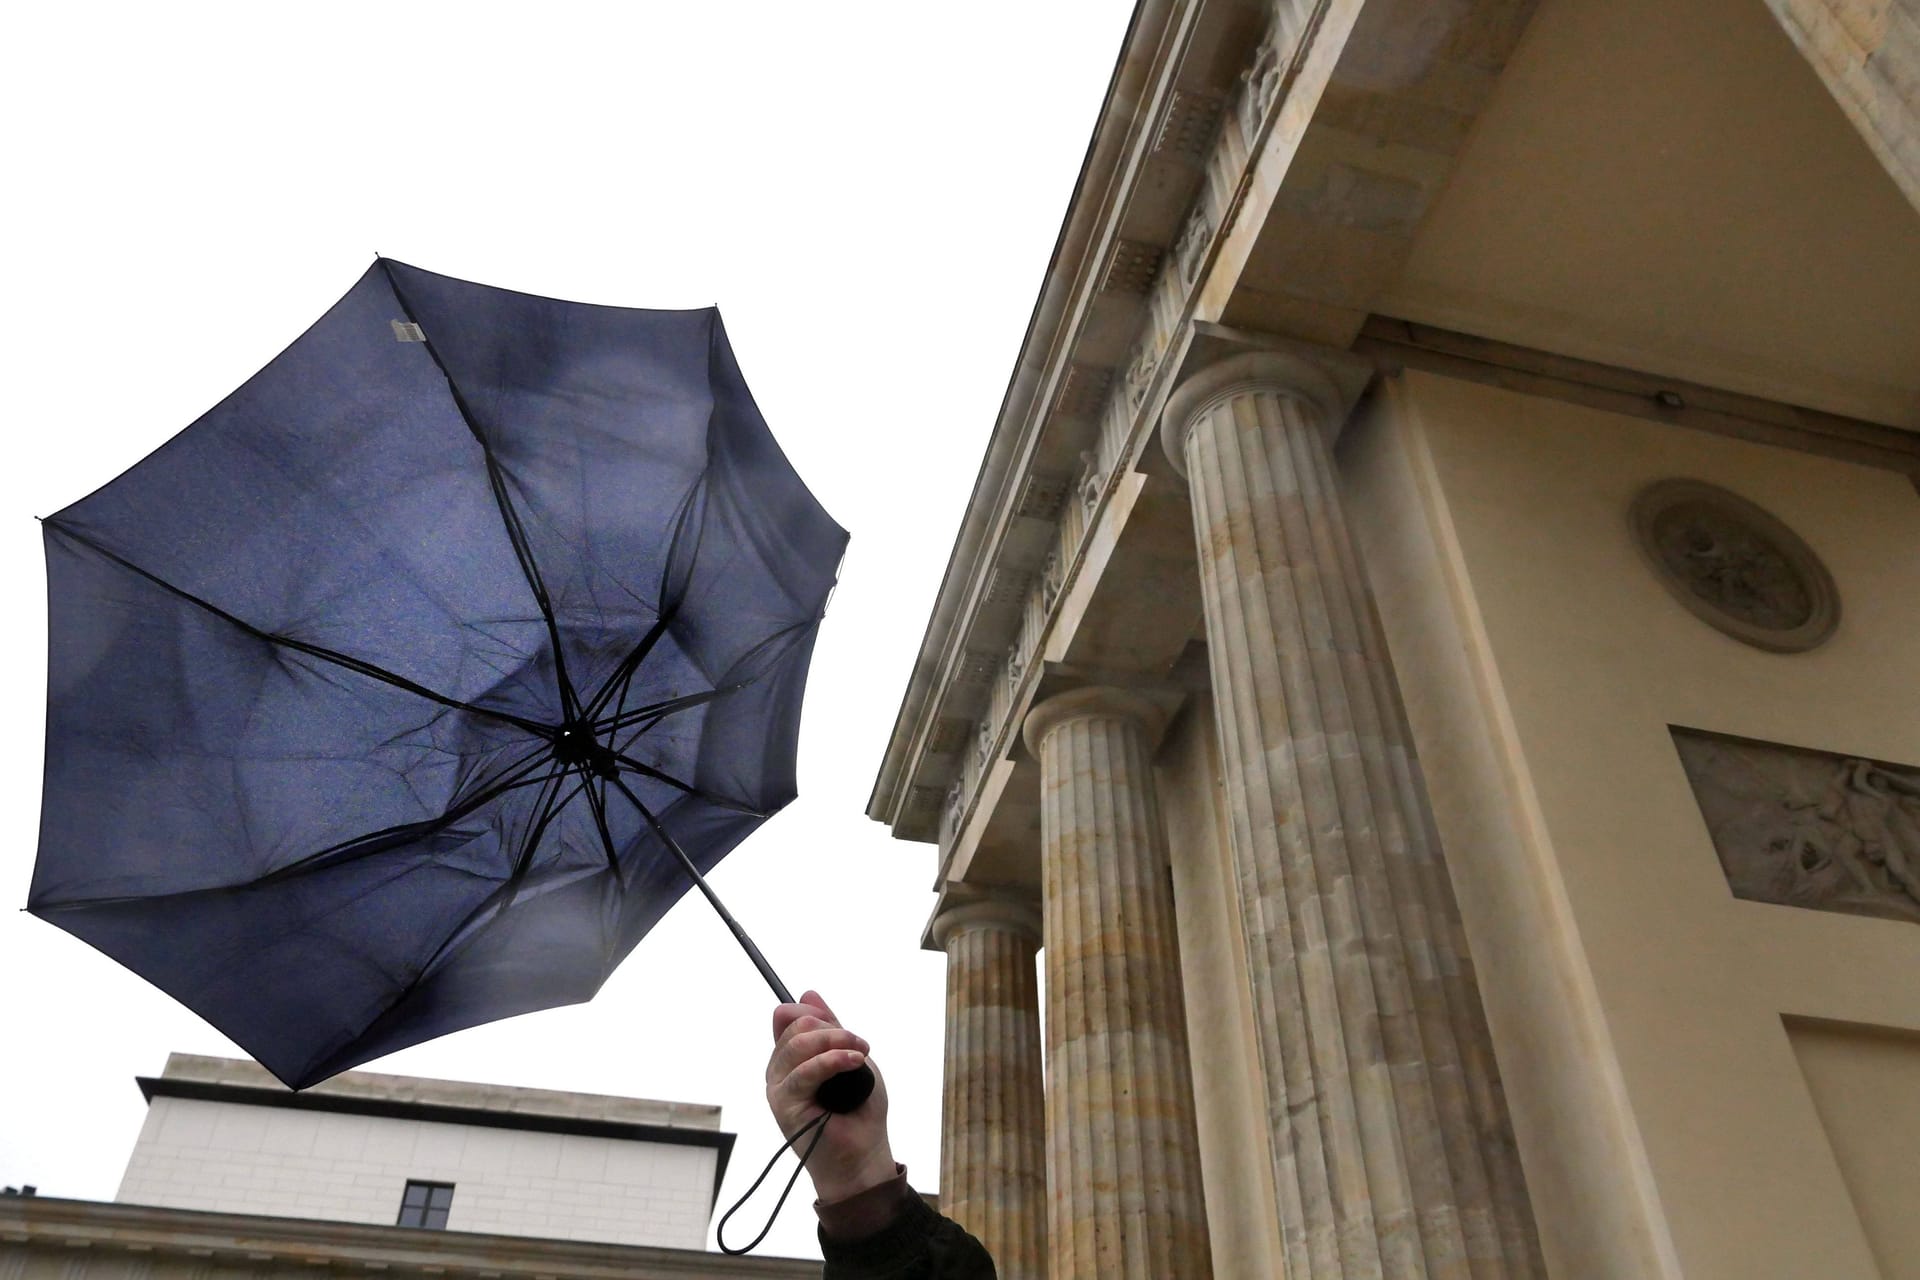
x: 1195, y: 89
x: 1140, y: 65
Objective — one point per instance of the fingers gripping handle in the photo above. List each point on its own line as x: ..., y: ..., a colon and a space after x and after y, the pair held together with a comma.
x: 846, y: 1091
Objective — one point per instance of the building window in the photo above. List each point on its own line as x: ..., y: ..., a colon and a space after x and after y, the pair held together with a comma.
x: 425, y: 1204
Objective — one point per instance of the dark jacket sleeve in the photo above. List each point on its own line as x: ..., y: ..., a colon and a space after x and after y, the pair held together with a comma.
x: 899, y: 1238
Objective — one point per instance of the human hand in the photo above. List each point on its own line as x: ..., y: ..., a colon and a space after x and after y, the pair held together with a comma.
x: 809, y: 1047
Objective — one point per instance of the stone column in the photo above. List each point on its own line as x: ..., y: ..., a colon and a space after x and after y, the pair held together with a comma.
x: 993, y: 1172
x: 1392, y: 1151
x: 1123, y: 1169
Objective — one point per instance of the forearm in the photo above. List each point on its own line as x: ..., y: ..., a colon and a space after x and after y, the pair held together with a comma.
x: 887, y: 1232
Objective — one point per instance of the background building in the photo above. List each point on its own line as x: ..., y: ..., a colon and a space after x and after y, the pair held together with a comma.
x: 1430, y: 659
x: 235, y: 1175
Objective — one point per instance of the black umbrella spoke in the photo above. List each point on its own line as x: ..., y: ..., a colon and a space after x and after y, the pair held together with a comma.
x: 550, y: 804
x: 597, y: 801
x: 496, y: 479
x: 362, y: 846
x: 523, y: 551
x: 519, y: 774
x: 654, y: 712
x: 622, y: 677
x: 357, y: 665
x: 648, y: 771
x: 495, y: 904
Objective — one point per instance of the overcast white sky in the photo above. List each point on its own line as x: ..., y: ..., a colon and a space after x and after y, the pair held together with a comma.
x: 869, y: 192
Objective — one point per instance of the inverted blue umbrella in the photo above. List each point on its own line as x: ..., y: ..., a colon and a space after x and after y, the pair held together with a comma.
x: 407, y: 688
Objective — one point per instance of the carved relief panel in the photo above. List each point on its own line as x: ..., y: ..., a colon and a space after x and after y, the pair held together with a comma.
x: 1734, y: 566
x: 1809, y: 828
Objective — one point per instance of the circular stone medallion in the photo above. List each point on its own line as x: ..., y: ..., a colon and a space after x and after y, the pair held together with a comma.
x: 1734, y: 566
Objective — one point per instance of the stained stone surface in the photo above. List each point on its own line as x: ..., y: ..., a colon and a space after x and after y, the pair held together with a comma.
x: 1807, y: 828
x: 993, y: 1173
x: 1392, y: 1151
x: 1123, y: 1166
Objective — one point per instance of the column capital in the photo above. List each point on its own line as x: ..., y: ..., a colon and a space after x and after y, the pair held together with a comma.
x: 964, y: 907
x: 1100, y: 700
x: 1326, y: 381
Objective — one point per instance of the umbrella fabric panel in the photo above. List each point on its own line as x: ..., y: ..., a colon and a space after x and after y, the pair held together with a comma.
x: 294, y: 969
x: 768, y: 554
x: 596, y: 422
x: 338, y: 499
x: 553, y: 947
x: 511, y: 909
x: 184, y: 752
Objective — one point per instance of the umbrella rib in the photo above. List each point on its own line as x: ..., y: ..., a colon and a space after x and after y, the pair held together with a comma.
x: 661, y: 710
x: 348, y: 850
x: 552, y: 808
x: 335, y: 657
x: 516, y: 531
x: 681, y: 703
x: 645, y: 770
x: 503, y: 895
x: 598, y: 803
x: 622, y: 676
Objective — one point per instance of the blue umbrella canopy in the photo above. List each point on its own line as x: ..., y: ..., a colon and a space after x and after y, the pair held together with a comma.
x: 407, y: 688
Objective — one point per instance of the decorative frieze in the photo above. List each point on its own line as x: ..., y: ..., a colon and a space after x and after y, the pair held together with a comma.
x: 1050, y: 580
x: 1811, y: 829
x: 950, y: 816
x: 1191, y: 249
x: 1260, y: 86
x: 1140, y: 375
x: 1197, y: 126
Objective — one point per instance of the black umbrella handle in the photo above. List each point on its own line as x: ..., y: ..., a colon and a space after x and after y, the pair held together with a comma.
x: 840, y: 1094
x: 846, y: 1091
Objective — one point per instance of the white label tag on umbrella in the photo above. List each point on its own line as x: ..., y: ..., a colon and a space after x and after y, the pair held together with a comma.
x: 407, y: 331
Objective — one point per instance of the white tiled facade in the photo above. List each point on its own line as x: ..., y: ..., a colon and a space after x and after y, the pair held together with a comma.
x: 241, y: 1157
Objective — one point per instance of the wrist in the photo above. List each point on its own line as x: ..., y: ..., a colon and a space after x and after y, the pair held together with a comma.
x: 832, y: 1183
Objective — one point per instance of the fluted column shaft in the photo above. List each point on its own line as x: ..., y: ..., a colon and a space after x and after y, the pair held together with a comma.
x: 1123, y: 1169
x: 993, y: 1173
x: 1392, y: 1151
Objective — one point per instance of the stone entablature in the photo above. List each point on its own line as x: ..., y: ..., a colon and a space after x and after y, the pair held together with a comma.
x: 1097, y: 399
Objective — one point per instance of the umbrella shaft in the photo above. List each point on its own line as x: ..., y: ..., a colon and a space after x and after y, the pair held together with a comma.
x: 740, y: 935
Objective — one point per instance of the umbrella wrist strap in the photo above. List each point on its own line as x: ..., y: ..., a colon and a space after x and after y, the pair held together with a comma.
x: 816, y: 1126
